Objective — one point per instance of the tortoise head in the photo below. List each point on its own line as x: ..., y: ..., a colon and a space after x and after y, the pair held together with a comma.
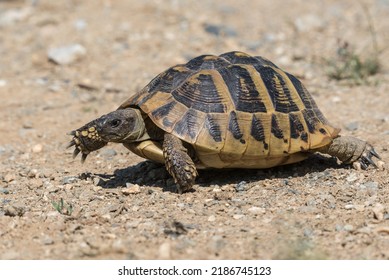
x: 120, y: 126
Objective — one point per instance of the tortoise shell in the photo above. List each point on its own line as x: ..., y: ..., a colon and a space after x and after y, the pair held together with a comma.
x: 236, y: 111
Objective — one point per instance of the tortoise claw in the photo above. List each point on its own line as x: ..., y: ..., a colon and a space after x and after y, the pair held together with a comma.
x: 366, y: 158
x: 71, y: 144
x: 363, y: 164
x: 368, y: 161
x: 76, y: 152
x: 83, y: 157
x: 374, y: 153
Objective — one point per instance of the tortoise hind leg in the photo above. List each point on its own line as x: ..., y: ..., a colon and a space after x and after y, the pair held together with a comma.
x: 178, y: 163
x: 351, y: 150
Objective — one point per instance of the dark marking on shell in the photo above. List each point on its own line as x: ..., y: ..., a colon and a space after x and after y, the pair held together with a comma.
x: 257, y: 131
x: 163, y: 110
x: 309, y: 103
x: 243, y: 90
x: 188, y: 124
x: 266, y: 145
x: 304, y: 136
x: 201, y: 95
x: 323, y: 131
x: 233, y: 126
x: 279, y: 93
x: 167, y: 123
x: 296, y: 127
x: 310, y: 119
x: 242, y: 141
x: 275, y: 128
x: 320, y: 116
x: 213, y: 127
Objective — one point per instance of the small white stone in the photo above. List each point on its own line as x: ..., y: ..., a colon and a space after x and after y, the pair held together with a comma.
x: 211, y: 218
x: 12, y: 16
x: 131, y: 189
x: 352, y: 177
x: 378, y: 211
x: 164, y: 251
x: 66, y: 54
x: 309, y: 22
x: 37, y: 148
x: 257, y: 210
x: 238, y: 216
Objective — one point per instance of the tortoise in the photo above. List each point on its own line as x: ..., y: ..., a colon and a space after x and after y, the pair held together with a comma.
x: 228, y: 111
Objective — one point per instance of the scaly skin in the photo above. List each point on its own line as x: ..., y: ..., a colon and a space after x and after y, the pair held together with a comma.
x: 178, y: 163
x: 351, y: 150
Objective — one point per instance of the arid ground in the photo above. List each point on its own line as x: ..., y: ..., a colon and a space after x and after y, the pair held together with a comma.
x: 119, y: 206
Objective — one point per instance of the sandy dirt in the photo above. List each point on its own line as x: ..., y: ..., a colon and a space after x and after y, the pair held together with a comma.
x: 119, y: 206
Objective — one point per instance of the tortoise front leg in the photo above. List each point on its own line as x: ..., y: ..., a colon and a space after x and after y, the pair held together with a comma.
x: 178, y: 163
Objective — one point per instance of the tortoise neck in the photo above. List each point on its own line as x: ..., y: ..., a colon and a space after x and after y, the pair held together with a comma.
x: 139, y: 133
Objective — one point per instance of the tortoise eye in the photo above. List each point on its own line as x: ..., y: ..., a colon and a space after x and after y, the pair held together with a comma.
x: 115, y: 123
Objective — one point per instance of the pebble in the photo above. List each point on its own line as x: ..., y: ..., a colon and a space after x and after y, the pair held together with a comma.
x: 369, y: 185
x: 2, y: 150
x: 12, y: 16
x: 149, y: 214
x: 38, y: 148
x: 108, y: 153
x: 383, y: 230
x: 131, y: 189
x: 238, y: 216
x: 378, y: 211
x: 66, y: 54
x: 365, y: 230
x: 106, y: 217
x: 359, y: 207
x: 4, y: 191
x: 33, y: 173
x: 352, y: 177
x: 348, y: 228
x: 47, y: 240
x: 308, y: 23
x: 338, y: 227
x: 69, y: 180
x: 211, y: 218
x: 9, y: 177
x: 16, y: 209
x: 256, y: 210
x: 352, y: 126
x: 132, y: 224
x: 3, y: 83
x: 164, y: 251
x: 336, y: 99
x: 80, y: 24
x: 241, y: 186
x: 308, y: 232
x: 217, y: 243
